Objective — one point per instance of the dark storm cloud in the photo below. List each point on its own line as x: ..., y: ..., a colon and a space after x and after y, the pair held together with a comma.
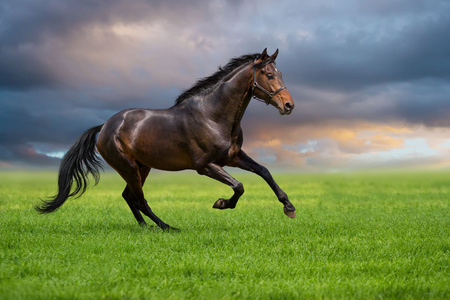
x: 32, y: 21
x: 69, y: 65
x: 356, y: 60
x: 32, y: 34
x: 375, y: 47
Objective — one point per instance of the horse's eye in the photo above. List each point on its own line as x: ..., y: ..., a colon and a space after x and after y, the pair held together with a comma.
x: 270, y: 76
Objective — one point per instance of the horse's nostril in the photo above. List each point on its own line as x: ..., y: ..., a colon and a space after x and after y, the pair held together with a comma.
x: 288, y: 106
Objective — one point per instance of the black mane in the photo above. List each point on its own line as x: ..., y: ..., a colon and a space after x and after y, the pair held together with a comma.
x: 203, y: 85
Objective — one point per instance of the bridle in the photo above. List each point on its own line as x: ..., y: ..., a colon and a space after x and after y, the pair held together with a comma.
x: 257, y: 85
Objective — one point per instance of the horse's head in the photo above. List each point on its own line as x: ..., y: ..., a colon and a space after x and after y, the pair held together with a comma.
x: 268, y: 84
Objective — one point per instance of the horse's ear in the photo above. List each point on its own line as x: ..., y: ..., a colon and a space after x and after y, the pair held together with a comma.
x: 274, y: 56
x: 264, y: 55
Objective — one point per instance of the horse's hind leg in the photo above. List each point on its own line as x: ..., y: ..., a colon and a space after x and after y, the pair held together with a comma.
x: 129, y: 198
x: 136, y: 189
x: 132, y: 203
x: 130, y: 171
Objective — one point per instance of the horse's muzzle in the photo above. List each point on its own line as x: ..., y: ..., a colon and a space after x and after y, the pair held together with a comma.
x: 287, y: 108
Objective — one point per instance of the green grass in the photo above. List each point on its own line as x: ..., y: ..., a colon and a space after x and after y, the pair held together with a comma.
x: 358, y: 236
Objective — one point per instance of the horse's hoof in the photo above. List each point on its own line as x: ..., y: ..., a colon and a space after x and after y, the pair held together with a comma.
x: 290, y: 214
x: 219, y: 204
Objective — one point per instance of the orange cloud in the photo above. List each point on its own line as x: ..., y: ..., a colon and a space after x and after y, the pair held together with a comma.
x: 351, y: 145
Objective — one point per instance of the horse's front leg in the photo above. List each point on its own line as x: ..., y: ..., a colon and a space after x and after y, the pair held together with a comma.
x: 243, y: 161
x: 216, y: 172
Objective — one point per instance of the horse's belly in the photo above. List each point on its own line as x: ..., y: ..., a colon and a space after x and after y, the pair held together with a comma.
x: 164, y: 157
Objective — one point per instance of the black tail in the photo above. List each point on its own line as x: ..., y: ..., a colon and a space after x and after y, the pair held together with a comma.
x: 80, y: 160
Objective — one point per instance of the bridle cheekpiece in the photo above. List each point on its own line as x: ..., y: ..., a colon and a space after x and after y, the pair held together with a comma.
x: 257, y: 85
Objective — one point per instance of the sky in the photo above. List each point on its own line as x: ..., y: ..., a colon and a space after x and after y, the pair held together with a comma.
x: 370, y: 79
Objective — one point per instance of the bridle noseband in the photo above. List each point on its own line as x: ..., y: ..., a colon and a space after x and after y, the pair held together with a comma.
x: 257, y: 85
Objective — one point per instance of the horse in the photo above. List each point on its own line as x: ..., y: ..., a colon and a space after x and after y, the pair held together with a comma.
x: 201, y: 131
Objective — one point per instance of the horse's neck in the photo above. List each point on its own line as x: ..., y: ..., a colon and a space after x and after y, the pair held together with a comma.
x: 232, y: 96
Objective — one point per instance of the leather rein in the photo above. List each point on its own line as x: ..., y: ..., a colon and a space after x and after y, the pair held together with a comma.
x: 257, y: 85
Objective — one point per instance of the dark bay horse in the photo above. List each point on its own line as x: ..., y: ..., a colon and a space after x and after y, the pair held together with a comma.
x: 201, y: 132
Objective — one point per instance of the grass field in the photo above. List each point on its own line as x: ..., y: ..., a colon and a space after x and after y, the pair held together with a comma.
x: 358, y: 236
